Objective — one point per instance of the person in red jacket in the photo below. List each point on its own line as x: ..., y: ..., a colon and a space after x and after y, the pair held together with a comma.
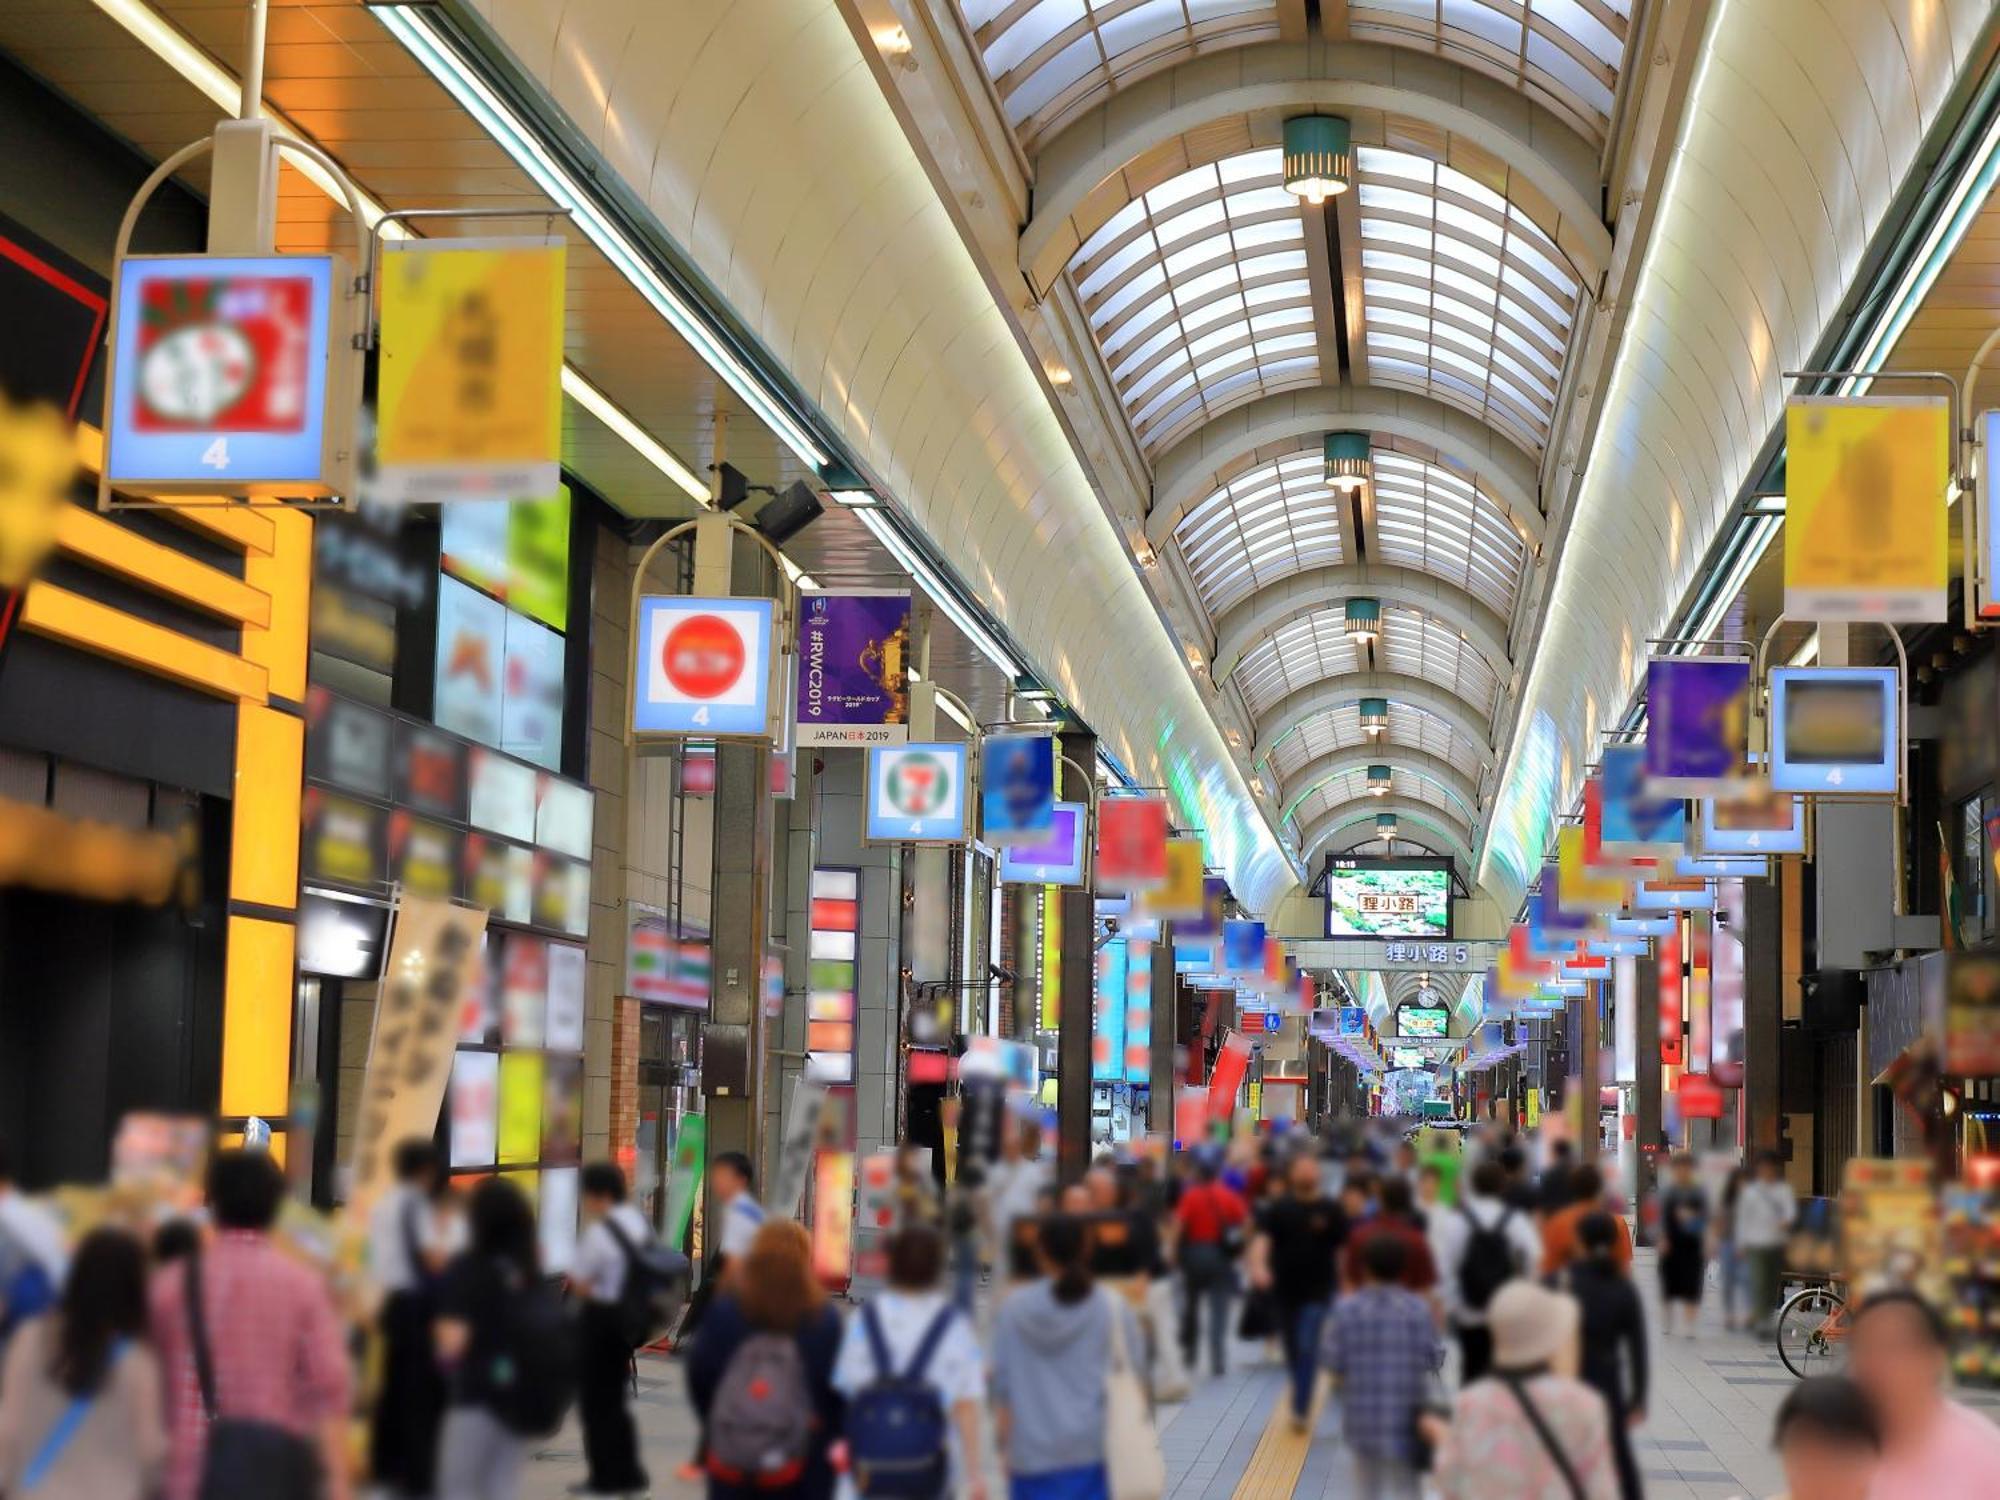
x: 1210, y: 1218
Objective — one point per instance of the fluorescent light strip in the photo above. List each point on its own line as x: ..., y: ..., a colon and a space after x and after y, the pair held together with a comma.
x: 926, y: 577
x: 600, y: 406
x: 418, y: 33
x: 224, y: 90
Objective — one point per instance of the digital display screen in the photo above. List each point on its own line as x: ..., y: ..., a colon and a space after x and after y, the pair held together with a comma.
x: 1761, y: 820
x: 1400, y: 898
x: 1835, y: 730
x: 1423, y: 1020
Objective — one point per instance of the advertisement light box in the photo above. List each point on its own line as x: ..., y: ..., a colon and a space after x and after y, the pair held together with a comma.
x: 704, y: 667
x: 1836, y: 730
x: 917, y: 794
x: 220, y: 377
x: 1388, y: 898
x: 1056, y: 859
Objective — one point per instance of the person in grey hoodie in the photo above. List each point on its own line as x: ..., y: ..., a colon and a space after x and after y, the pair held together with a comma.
x: 1051, y: 1357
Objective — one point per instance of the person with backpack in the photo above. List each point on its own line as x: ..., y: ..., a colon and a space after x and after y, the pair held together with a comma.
x: 505, y: 1345
x: 761, y: 1375
x: 405, y: 1255
x: 1055, y: 1348
x: 1479, y: 1246
x: 1614, y: 1360
x: 258, y: 1384
x: 80, y: 1400
x: 606, y: 1331
x: 1528, y: 1429
x: 33, y: 1259
x: 1209, y: 1221
x: 914, y: 1378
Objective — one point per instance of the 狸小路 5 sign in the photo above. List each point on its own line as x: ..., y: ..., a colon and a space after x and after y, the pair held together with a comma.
x: 917, y: 794
x: 704, y: 668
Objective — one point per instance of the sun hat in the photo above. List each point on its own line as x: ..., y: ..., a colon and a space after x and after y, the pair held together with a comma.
x: 1530, y: 1324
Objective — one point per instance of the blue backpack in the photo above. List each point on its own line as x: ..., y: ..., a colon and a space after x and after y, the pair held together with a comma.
x: 26, y: 1288
x: 897, y: 1427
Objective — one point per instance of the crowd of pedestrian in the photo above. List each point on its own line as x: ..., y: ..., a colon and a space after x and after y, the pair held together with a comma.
x: 1470, y: 1318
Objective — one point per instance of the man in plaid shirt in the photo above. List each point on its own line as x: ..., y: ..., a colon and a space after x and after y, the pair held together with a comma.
x: 1382, y: 1348
x: 272, y: 1329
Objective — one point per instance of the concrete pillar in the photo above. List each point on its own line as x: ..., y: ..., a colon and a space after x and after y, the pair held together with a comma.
x: 742, y: 921
x: 1587, y: 1070
x: 1167, y: 991
x: 1649, y: 1133
x: 1763, y: 1010
x: 1079, y: 979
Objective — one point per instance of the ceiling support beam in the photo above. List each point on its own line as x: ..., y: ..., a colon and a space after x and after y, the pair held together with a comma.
x: 1420, y: 763
x: 1324, y: 697
x: 1438, y: 822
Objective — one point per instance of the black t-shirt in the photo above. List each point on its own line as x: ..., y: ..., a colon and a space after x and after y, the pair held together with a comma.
x: 478, y: 1291
x: 1306, y: 1237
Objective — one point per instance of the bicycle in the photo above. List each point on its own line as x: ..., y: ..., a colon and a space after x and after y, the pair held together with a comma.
x: 1812, y: 1331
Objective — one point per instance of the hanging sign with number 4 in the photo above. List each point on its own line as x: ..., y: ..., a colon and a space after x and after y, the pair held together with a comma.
x: 229, y: 377
x: 703, y: 668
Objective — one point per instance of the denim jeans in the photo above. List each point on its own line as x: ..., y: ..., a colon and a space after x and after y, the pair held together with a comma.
x: 1208, y: 1281
x: 1302, y: 1324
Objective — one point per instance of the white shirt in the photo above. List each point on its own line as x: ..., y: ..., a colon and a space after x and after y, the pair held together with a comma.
x: 1764, y: 1213
x: 1013, y: 1188
x: 389, y: 1239
x: 1451, y: 1237
x: 599, y: 1265
x: 741, y: 1219
x: 957, y: 1370
x: 31, y: 1230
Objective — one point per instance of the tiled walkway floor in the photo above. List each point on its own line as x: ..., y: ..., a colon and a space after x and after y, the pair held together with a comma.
x: 1706, y: 1438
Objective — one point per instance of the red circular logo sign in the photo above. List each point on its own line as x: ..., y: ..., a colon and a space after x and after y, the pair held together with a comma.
x: 703, y: 656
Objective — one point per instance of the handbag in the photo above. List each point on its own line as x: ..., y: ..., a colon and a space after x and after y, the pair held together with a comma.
x: 1133, y: 1465
x: 1519, y: 1387
x: 1259, y: 1318
x: 245, y: 1460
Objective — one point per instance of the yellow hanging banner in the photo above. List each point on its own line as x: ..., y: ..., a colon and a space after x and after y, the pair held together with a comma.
x: 1866, y: 533
x: 1181, y: 898
x: 469, y: 400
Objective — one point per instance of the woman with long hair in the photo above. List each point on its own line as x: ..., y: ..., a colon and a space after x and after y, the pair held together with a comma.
x: 80, y: 1399
x: 1612, y: 1339
x: 480, y: 1457
x: 1052, y: 1349
x: 761, y: 1374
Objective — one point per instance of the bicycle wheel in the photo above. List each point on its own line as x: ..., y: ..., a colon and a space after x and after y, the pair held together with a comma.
x: 1811, y: 1334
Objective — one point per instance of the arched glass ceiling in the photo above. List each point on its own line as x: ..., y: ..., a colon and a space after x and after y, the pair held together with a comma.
x: 1464, y: 298
x: 1267, y: 523
x: 1052, y: 59
x: 1351, y: 787
x: 1340, y: 729
x: 1414, y: 643
x: 1198, y: 295
x: 1428, y: 518
x: 1565, y: 53
x: 1315, y: 647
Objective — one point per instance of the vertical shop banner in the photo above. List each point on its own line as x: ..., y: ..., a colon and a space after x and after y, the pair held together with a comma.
x: 434, y: 957
x: 1138, y: 1059
x: 521, y: 1098
x: 1866, y: 525
x: 1052, y: 935
x: 1625, y: 1020
x: 1988, y: 499
x: 1700, y: 1000
x: 1725, y: 987
x: 1131, y: 843
x: 684, y: 1179
x: 1107, y: 1014
x: 1017, y: 789
x: 1231, y: 1064
x: 1182, y: 898
x: 854, y: 668
x: 469, y: 396
x: 704, y: 667
x: 833, y: 1219
x: 1698, y: 725
x: 1672, y: 1053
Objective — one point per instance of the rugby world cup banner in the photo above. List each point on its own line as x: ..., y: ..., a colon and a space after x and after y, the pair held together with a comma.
x: 854, y: 668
